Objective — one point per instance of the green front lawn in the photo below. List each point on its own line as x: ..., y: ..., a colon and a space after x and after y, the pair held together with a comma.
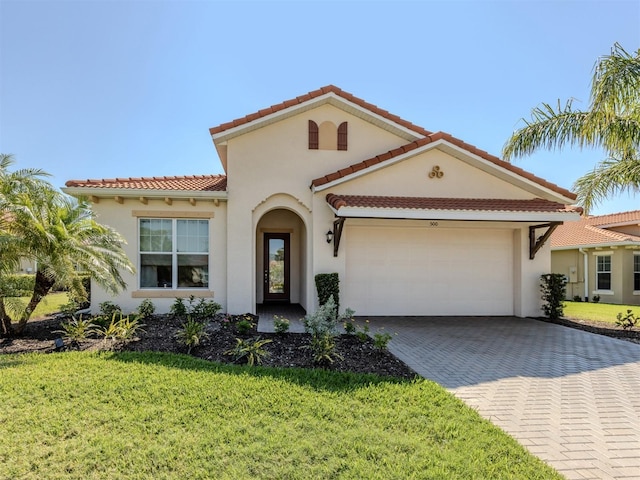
x: 50, y: 304
x: 155, y: 415
x: 602, y: 312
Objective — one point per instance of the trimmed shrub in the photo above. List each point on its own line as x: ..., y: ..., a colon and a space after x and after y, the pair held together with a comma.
x: 554, y: 290
x: 17, y: 285
x: 109, y: 309
x: 146, y: 309
x: 327, y: 286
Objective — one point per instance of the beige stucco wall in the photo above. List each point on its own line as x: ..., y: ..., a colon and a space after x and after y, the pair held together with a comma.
x: 120, y: 217
x: 621, y: 291
x: 272, y: 168
x: 411, y: 178
x: 571, y: 264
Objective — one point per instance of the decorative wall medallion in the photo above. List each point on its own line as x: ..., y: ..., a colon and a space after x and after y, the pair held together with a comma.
x: 436, y: 172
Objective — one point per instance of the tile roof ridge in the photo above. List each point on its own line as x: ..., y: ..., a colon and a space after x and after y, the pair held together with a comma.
x: 310, y: 96
x: 601, y: 219
x: 101, y: 181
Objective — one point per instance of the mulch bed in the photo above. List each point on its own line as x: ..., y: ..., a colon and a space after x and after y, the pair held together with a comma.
x: 601, y: 328
x: 285, y: 350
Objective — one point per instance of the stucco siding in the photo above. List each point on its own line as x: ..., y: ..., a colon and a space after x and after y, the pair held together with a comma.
x: 571, y: 264
x: 410, y: 177
x: 122, y: 218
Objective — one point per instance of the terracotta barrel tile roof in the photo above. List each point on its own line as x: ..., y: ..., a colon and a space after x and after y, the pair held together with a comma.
x: 379, y: 159
x: 310, y: 96
x: 587, y: 231
x: 204, y: 183
x: 433, y: 203
x: 615, y: 218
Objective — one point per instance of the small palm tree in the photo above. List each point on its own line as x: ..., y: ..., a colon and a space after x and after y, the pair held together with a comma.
x: 62, y: 236
x: 15, y: 187
x: 612, y: 122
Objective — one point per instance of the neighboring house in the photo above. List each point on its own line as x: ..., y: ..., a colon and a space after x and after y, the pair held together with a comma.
x: 27, y: 266
x: 604, y: 250
x: 414, y: 222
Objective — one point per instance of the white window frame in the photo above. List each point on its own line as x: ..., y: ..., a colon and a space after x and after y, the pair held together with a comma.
x: 174, y: 254
x: 598, y: 290
x: 635, y: 255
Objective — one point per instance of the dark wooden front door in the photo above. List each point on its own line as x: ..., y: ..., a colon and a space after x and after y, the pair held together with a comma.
x: 276, y: 266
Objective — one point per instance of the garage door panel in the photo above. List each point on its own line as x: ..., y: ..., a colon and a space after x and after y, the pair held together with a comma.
x: 426, y: 271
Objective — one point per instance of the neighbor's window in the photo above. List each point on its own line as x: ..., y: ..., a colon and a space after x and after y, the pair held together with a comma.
x: 174, y: 253
x: 603, y: 272
x: 636, y: 272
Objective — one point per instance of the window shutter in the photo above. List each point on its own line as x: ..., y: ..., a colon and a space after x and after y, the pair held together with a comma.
x: 313, y: 135
x: 342, y: 136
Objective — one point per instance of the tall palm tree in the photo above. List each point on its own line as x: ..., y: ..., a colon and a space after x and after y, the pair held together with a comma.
x: 62, y: 236
x: 612, y: 122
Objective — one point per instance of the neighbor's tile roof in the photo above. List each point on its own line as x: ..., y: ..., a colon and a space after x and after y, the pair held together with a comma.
x: 632, y: 217
x: 310, y: 96
x: 378, y: 159
x: 204, y: 183
x: 432, y: 203
x: 587, y: 231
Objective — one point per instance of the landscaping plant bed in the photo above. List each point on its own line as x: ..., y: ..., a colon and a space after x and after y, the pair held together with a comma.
x: 600, y: 328
x: 284, y: 350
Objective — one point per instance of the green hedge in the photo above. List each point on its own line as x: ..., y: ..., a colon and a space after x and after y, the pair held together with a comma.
x: 21, y: 285
x: 17, y: 285
x: 328, y: 284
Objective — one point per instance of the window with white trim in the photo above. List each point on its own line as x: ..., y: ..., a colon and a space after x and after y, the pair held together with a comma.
x: 636, y: 272
x: 174, y: 253
x: 603, y: 272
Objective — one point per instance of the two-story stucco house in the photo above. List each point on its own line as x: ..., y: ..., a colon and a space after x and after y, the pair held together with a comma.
x: 414, y: 222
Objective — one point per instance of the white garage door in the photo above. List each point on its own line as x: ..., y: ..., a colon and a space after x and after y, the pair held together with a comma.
x: 428, y: 271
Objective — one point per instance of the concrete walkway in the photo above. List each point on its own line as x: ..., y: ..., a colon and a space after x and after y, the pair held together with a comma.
x: 572, y: 398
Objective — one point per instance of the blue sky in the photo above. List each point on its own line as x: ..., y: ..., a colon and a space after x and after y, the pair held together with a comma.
x: 117, y: 88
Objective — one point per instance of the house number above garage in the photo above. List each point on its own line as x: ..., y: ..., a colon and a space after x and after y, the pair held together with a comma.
x: 436, y: 172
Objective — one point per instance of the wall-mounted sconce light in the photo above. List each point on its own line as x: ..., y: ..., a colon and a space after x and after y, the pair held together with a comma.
x: 329, y: 236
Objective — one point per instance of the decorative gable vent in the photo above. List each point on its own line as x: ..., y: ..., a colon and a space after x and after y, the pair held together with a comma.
x: 313, y: 135
x: 327, y: 136
x: 342, y: 136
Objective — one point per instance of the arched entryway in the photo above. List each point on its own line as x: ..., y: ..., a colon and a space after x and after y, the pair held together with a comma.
x: 281, y: 258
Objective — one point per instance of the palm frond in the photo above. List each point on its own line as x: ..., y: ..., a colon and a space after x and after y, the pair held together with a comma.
x: 549, y: 128
x: 609, y: 177
x: 615, y: 86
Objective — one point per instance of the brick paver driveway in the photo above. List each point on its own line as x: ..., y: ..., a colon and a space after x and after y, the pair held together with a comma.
x: 571, y: 397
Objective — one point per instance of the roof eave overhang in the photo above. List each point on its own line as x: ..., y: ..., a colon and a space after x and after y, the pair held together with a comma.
x: 454, y: 215
x: 485, y: 165
x: 328, y: 98
x: 597, y: 245
x: 142, y: 192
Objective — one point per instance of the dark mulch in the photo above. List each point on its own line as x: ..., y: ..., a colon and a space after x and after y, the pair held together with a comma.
x: 285, y: 350
x: 601, y: 328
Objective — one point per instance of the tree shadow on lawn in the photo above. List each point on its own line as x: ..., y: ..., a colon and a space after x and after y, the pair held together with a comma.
x: 318, y: 379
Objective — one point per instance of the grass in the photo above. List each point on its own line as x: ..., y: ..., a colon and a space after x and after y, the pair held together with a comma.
x: 50, y: 304
x: 154, y: 415
x: 602, y: 312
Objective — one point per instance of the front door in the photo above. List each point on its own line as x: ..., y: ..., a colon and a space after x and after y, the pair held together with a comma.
x: 276, y: 266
